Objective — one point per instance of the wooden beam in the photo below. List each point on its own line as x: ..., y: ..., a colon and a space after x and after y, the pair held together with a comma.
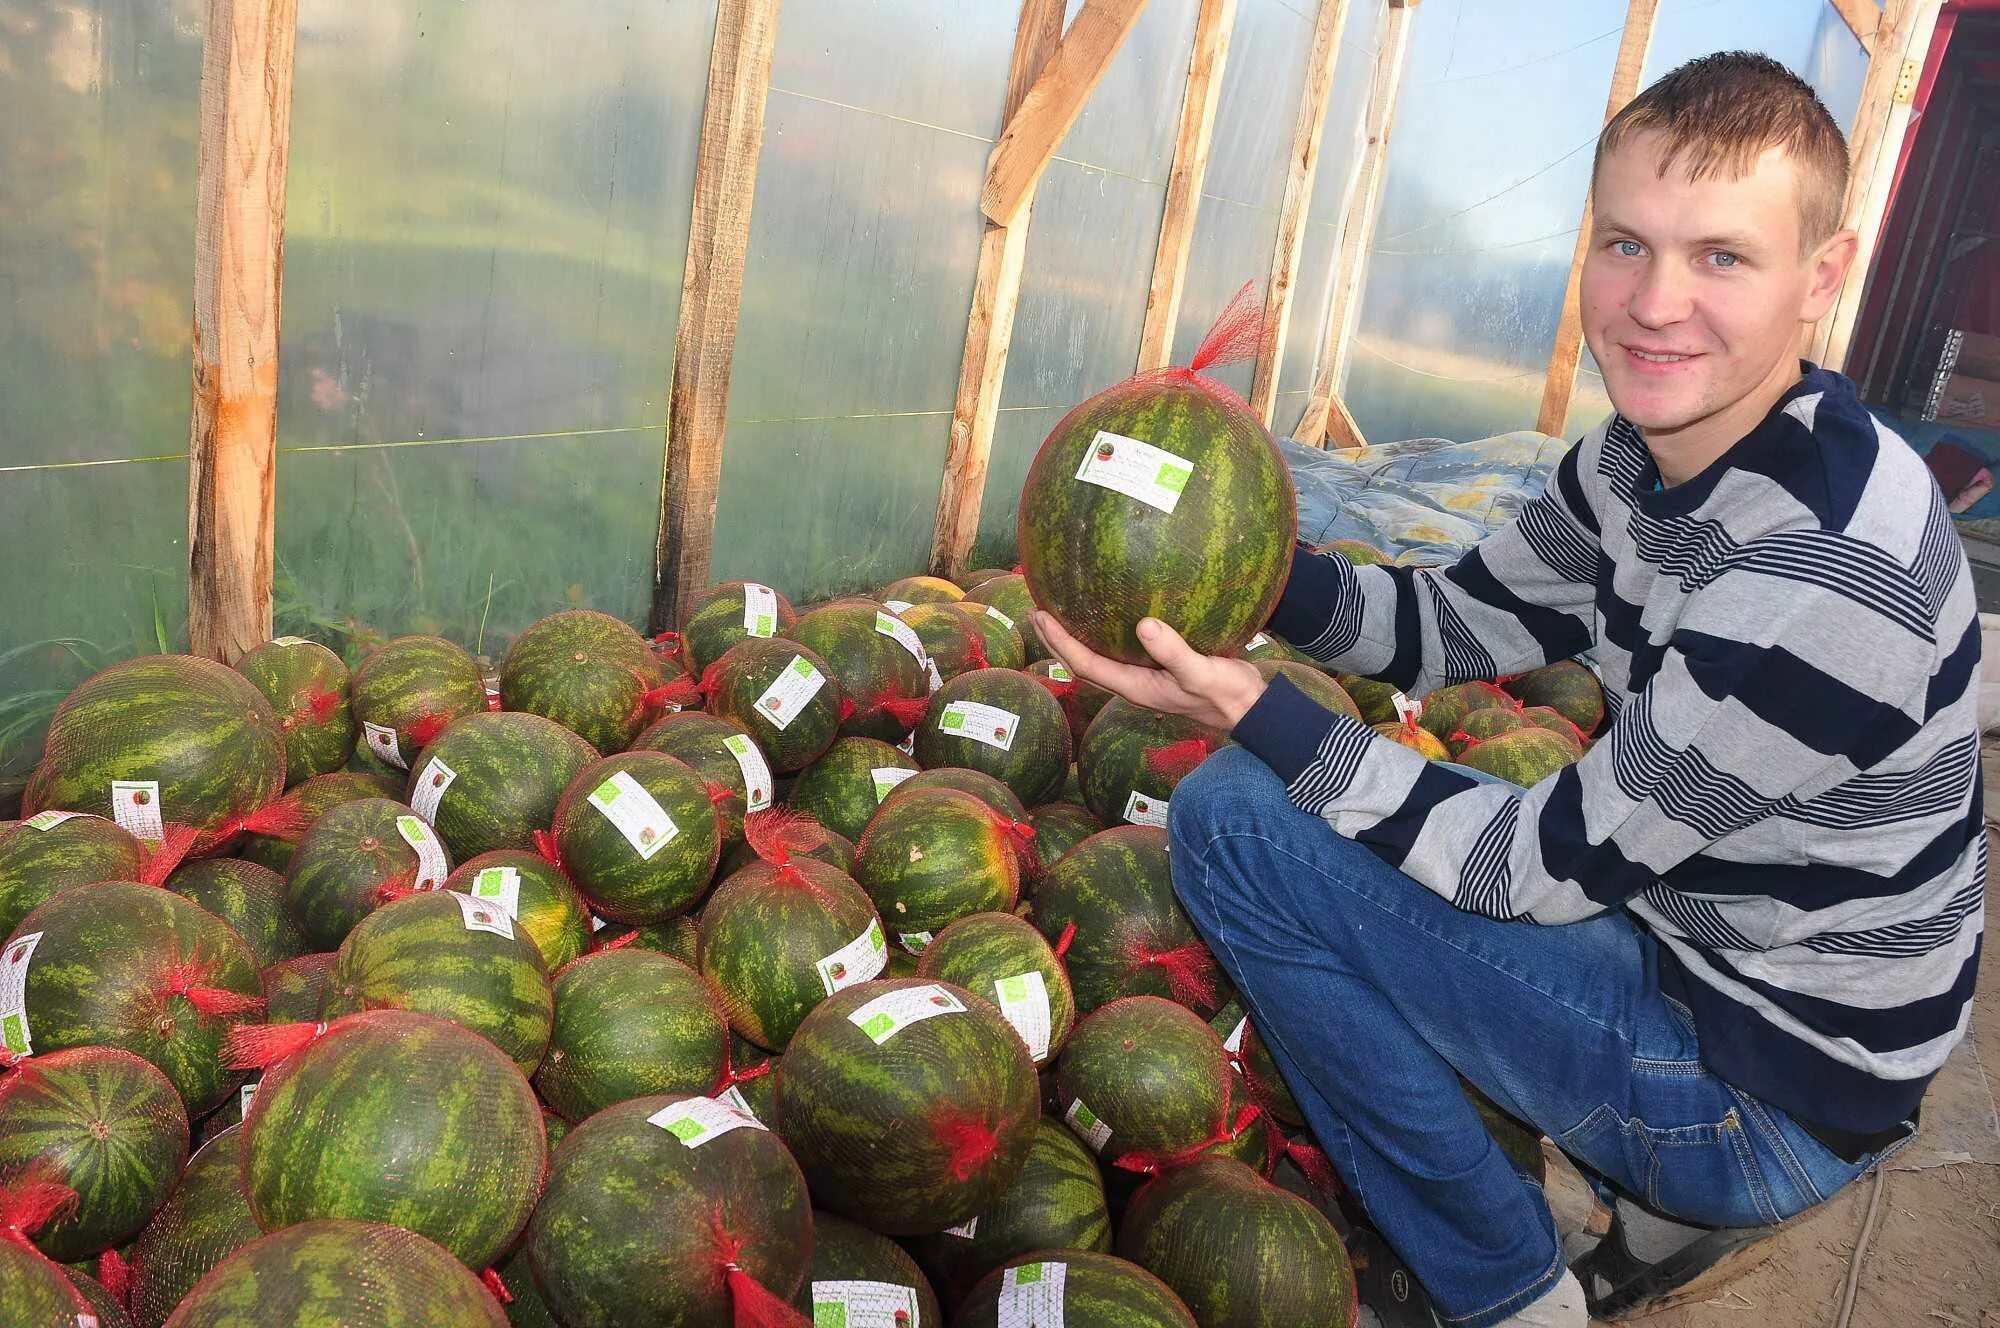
x: 1862, y: 18
x: 1357, y: 227
x: 1212, y: 26
x: 1341, y: 430
x: 1560, y: 383
x: 246, y: 116
x: 725, y: 186
x: 989, y: 331
x: 1036, y: 128
x: 1873, y: 146
x: 1299, y: 175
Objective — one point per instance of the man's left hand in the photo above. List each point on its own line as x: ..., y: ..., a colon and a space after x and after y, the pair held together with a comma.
x: 1206, y: 688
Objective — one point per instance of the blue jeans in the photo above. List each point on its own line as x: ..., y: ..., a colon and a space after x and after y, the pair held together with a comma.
x: 1371, y: 991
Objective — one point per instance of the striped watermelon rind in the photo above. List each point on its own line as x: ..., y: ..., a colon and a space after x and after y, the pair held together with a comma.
x: 204, y: 1220
x: 950, y: 640
x: 763, y: 937
x: 836, y: 851
x: 547, y: 905
x: 999, y: 638
x: 77, y: 850
x: 306, y: 685
x: 675, y: 938
x: 1060, y: 827
x: 347, y: 857
x: 922, y: 590
x: 717, y: 621
x: 1569, y: 687
x: 1525, y: 756
x: 1009, y: 593
x: 741, y: 678
x: 1037, y: 752
x: 252, y: 899
x: 294, y: 988
x: 871, y: 666
x: 630, y: 1023
x: 587, y: 671
x: 1315, y: 684
x: 416, y: 686
x: 933, y: 856
x: 1152, y: 1078
x: 638, y: 882
x: 1097, y: 1289
x: 845, y: 1251
x: 35, y: 1291
x: 979, y: 784
x: 312, y: 800
x: 703, y: 741
x: 1112, y: 761
x: 841, y: 790
x: 981, y: 951
x: 508, y: 770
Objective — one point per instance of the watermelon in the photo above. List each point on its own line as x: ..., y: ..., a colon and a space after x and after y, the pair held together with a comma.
x: 408, y: 692
x: 1075, y: 1289
x: 1132, y: 758
x: 1526, y: 756
x: 355, y: 858
x: 834, y: 850
x: 630, y: 1023
x: 110, y: 1314
x: 1359, y: 552
x: 1446, y: 708
x: 933, y: 856
x: 492, y: 779
x: 1080, y: 700
x: 676, y: 938
x: 778, y: 938
x: 1206, y: 549
x: 855, y: 1272
x: 1557, y: 723
x: 951, y: 643
x: 1009, y: 594
x: 524, y: 1303
x: 536, y: 894
x: 732, y: 612
x: 980, y: 785
x: 842, y: 789
x: 1132, y: 936
x: 106, y: 1124
x: 1240, y: 1252
x: 1000, y: 639
x: 590, y: 673
x: 1002, y: 723
x: 1417, y: 738
x: 336, y: 1272
x: 1266, y: 648
x: 135, y: 967
x: 1060, y: 827
x: 1569, y: 687
x: 204, y: 1220
x: 1479, y: 725
x: 921, y: 590
x: 310, y: 801
x: 1375, y: 700
x: 1005, y: 960
x: 1247, y: 1137
x: 36, y: 1292
x: 396, y: 1116
x: 445, y: 954
x: 670, y: 1210
x: 1267, y: 1085
x: 294, y: 988
x: 901, y: 964
x: 879, y: 662
x: 1315, y: 684
x: 639, y: 834
x: 721, y: 752
x: 909, y: 1104
x: 1144, y: 1082
x: 783, y: 693
x: 194, y: 742
x: 250, y: 898
x: 56, y: 850
x: 978, y: 576
x: 751, y: 1074
x: 306, y: 685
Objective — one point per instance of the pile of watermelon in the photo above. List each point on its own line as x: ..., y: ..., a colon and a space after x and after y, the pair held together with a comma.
x: 818, y: 965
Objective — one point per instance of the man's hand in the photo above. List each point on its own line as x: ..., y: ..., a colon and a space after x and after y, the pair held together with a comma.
x: 1208, y: 689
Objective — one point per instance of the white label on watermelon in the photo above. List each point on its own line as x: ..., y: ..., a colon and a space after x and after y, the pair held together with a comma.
x: 1143, y: 809
x: 484, y: 915
x: 431, y: 865
x: 1233, y: 1044
x: 790, y: 692
x: 886, y: 778
x: 1407, y: 707
x: 966, y: 1230
x: 1031, y: 1296
x: 892, y: 1012
x: 696, y: 1120
x: 863, y: 1305
x: 435, y: 778
x: 916, y: 942
x: 499, y: 885
x: 908, y: 746
x: 1024, y: 1000
x: 899, y: 631
x: 14, y: 1035
x: 980, y: 722
x: 1256, y: 642
x: 756, y: 771
x: 1002, y: 618
x: 760, y: 609
x: 897, y: 605
x: 48, y: 820
x: 135, y: 805
x: 931, y: 671
x: 290, y: 641
x: 381, y: 740
x: 1088, y: 1127
x: 1060, y: 673
x: 244, y: 1097
x: 598, y: 924
x: 85, y: 1319
x: 733, y: 1095
x: 857, y: 961
x: 1153, y: 475
x: 637, y: 814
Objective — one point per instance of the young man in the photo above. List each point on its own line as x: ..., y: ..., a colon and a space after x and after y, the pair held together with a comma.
x: 1718, y: 959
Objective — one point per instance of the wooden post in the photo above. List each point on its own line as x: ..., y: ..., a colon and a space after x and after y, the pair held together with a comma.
x: 990, y: 329
x: 725, y: 185
x: 1862, y: 18
x: 1874, y: 143
x: 1204, y: 92
x: 1560, y: 384
x: 1304, y: 165
x: 1051, y: 106
x: 1357, y: 237
x: 246, y: 115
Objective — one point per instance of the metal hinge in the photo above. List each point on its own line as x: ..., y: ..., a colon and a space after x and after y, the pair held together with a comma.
x: 1906, y: 83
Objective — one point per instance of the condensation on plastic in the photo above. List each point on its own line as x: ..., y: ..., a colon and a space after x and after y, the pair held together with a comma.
x: 1426, y: 500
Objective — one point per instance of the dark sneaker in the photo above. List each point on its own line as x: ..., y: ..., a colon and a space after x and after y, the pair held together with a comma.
x: 1391, y: 1296
x: 1618, y: 1285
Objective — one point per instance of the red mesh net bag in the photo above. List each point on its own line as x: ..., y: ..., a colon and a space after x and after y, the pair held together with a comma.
x: 204, y: 1220
x: 357, y: 857
x: 33, y: 1287
x: 1162, y: 496
x: 306, y: 685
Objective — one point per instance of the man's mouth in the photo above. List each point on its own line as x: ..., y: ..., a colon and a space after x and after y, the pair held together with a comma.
x: 1655, y: 355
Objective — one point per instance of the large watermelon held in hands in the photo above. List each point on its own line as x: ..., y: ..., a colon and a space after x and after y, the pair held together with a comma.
x: 55, y: 850
x: 1074, y: 1289
x: 536, y: 893
x: 356, y: 858
x: 933, y: 856
x: 857, y: 1277
x: 250, y: 898
x: 592, y: 674
x: 877, y: 659
x: 492, y: 779
x: 1133, y: 758
x: 843, y: 788
x: 785, y: 696
x: 731, y: 612
x: 672, y: 1210
x: 409, y: 691
x: 640, y: 835
x: 204, y: 1220
x: 308, y: 802
x: 1005, y: 960
x: 106, y: 1124
x: 910, y: 1104
x: 630, y: 1023
x: 722, y: 752
x: 306, y: 685
x: 1144, y: 1083
x: 1002, y: 723
x: 392, y: 1116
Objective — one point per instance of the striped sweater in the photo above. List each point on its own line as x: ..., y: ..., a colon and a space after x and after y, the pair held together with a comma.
x: 1788, y: 795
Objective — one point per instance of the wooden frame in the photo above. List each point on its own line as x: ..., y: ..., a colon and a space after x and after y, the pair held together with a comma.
x: 1299, y: 175
x: 246, y: 113
x: 725, y: 187
x: 1862, y: 18
x: 1559, y: 386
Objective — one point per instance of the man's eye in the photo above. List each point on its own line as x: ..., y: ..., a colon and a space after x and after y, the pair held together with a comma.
x: 1723, y: 258
x: 1629, y: 248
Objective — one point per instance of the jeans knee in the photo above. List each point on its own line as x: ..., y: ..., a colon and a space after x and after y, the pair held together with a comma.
x: 1216, y: 792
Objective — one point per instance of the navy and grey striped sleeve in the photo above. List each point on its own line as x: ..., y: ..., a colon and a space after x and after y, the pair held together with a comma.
x: 1519, y: 599
x: 1759, y: 701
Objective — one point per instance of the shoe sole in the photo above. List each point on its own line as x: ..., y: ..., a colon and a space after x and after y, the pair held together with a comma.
x: 1702, y: 1285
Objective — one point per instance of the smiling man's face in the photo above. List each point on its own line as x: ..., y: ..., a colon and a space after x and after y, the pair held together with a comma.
x: 1694, y: 291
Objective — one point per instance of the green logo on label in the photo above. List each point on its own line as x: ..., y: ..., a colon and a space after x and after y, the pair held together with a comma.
x: 766, y: 625
x: 687, y: 1129
x: 879, y: 1025
x: 14, y: 1032
x: 1085, y: 1117
x: 1173, y: 477
x: 606, y: 792
x: 801, y: 666
x: 829, y: 1314
x: 737, y: 743
x: 1028, y: 1274
x: 490, y: 882
x: 1014, y: 988
x: 411, y: 827
x: 953, y: 719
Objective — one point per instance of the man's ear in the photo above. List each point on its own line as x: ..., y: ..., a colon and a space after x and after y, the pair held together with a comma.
x: 1826, y: 270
